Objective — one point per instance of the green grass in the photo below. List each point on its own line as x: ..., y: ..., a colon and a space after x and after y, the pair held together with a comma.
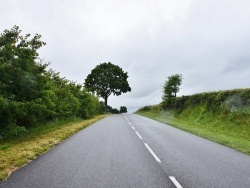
x: 17, y: 152
x: 231, y: 130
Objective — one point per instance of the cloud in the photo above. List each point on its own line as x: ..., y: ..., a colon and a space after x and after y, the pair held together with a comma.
x: 206, y: 41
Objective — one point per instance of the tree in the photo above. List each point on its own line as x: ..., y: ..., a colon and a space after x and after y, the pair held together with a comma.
x: 20, y: 72
x: 32, y: 94
x: 123, y: 109
x: 171, y: 87
x: 21, y: 79
x: 106, y: 79
x: 114, y: 111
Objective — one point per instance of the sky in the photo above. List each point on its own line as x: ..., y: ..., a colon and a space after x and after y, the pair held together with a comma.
x: 207, y: 41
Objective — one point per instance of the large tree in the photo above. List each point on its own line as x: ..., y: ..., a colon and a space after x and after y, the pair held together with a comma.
x: 171, y: 87
x: 106, y: 79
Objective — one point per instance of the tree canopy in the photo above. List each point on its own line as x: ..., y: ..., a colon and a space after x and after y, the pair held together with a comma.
x: 30, y: 93
x: 106, y: 79
x: 171, y: 87
x: 123, y: 109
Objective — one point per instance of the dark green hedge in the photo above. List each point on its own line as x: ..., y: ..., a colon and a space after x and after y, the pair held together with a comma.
x: 231, y: 100
x: 32, y: 94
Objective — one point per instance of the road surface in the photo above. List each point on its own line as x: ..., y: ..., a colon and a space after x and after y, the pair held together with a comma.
x: 134, y: 151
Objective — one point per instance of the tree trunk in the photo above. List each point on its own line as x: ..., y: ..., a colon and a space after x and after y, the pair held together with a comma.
x: 106, y: 103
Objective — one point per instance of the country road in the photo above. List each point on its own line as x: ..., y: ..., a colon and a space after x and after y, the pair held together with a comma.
x: 134, y: 151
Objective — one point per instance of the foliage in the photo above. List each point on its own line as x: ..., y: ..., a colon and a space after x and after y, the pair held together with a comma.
x: 229, y: 105
x: 222, y: 116
x: 30, y: 93
x: 171, y: 87
x: 123, y: 109
x: 36, y: 141
x: 237, y: 100
x: 114, y: 111
x: 106, y: 79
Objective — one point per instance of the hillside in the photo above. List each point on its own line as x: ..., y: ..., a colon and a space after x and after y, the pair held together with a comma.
x: 222, y: 116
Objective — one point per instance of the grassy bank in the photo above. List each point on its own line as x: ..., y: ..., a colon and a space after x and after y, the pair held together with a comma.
x: 16, y: 152
x: 227, y: 123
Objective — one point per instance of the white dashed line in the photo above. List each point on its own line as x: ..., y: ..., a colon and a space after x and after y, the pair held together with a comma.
x: 126, y: 118
x: 154, y: 155
x: 138, y: 135
x: 176, y: 183
x: 172, y: 178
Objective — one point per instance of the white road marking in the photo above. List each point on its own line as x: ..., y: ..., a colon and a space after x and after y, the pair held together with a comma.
x: 172, y: 178
x: 138, y: 135
x: 154, y: 155
x: 176, y: 183
x: 126, y: 118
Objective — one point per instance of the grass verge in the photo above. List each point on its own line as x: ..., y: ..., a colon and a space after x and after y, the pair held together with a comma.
x: 17, y: 152
x: 217, y: 130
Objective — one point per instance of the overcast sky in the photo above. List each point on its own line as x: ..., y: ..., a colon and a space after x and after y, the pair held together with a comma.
x: 207, y: 41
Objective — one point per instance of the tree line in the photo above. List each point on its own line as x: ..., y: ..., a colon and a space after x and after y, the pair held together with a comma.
x: 30, y: 92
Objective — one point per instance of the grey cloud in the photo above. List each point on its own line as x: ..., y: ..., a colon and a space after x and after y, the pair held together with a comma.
x: 206, y: 41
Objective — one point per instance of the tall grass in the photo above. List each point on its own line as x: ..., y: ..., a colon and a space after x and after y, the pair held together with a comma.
x: 16, y: 152
x: 223, y: 117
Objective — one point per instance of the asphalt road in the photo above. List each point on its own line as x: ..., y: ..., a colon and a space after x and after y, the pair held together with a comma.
x: 134, y: 151
x: 194, y: 161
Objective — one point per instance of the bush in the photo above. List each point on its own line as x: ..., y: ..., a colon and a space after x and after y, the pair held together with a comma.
x: 30, y: 94
x: 230, y: 100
